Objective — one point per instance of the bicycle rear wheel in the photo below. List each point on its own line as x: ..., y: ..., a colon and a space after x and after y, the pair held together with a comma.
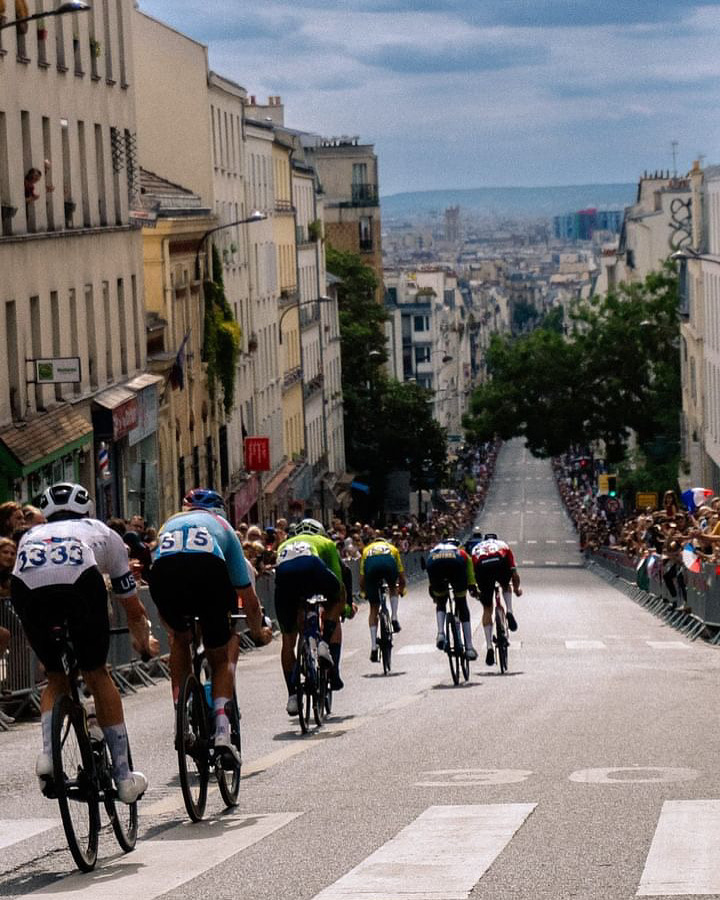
x: 123, y: 816
x: 385, y: 641
x: 453, y: 646
x: 501, y: 640
x: 464, y: 664
x: 303, y: 688
x: 229, y: 779
x: 191, y: 739
x: 74, y: 782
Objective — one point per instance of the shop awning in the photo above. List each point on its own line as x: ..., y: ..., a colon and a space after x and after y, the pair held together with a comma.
x: 113, y: 397
x: 279, y: 478
x: 27, y: 446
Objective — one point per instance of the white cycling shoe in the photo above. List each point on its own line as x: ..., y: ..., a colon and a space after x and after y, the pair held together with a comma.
x: 131, y: 789
x: 324, y: 653
x: 43, y: 768
x: 227, y: 752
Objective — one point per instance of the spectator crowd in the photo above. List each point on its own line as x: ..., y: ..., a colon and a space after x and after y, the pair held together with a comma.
x: 668, y: 540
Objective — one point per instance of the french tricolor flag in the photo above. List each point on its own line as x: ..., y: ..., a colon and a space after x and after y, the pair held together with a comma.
x: 695, y: 497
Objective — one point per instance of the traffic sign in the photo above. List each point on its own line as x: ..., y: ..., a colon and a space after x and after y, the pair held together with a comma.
x: 612, y: 504
x: 645, y: 499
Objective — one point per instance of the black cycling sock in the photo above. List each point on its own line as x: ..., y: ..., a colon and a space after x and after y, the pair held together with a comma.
x: 329, y: 627
x: 335, y: 651
x: 290, y: 680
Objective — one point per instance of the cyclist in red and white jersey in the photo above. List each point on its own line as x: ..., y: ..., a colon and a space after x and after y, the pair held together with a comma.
x: 494, y: 563
x: 58, y: 580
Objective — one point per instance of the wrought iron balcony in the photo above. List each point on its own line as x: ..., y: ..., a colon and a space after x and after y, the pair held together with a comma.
x: 364, y: 195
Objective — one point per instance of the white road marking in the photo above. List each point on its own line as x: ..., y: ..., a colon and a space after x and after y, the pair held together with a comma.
x: 527, y: 562
x: 442, y: 854
x: 531, y: 542
x: 550, y: 542
x: 475, y: 777
x: 550, y: 562
x: 684, y: 857
x: 585, y: 645
x: 567, y: 541
x: 413, y: 649
x: 176, y: 856
x: 634, y: 775
x: 668, y: 645
x: 12, y: 831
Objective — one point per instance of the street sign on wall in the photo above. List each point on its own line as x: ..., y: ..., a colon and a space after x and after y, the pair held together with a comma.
x: 57, y: 370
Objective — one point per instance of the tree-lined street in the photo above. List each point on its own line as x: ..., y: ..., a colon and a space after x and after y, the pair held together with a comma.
x: 588, y: 771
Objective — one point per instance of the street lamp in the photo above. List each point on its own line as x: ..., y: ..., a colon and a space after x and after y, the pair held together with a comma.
x: 72, y: 6
x: 255, y: 216
x: 322, y: 299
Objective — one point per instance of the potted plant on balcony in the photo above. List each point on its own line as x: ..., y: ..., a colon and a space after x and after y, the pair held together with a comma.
x: 252, y: 343
x: 95, y: 48
x: 42, y: 31
x: 315, y: 230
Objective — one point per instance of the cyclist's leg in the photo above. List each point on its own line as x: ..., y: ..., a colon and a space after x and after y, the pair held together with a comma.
x: 371, y: 592
x: 290, y: 621
x: 438, y: 590
x: 463, y: 612
x: 486, y: 589
x: 167, y: 581
x: 373, y: 618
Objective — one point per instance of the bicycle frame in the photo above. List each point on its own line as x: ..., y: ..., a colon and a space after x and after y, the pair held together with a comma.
x: 501, y: 630
x: 312, y: 687
x: 454, y: 642
x: 385, y: 637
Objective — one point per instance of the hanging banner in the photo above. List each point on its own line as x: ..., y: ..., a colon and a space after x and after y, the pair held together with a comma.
x: 257, y: 454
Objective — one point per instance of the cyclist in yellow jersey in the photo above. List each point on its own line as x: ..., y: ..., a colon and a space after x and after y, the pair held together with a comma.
x: 380, y: 561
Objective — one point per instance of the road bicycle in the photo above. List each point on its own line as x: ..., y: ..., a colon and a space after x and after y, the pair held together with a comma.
x: 454, y: 643
x: 385, y: 629
x: 500, y: 637
x: 82, y: 771
x: 193, y: 741
x: 312, y: 676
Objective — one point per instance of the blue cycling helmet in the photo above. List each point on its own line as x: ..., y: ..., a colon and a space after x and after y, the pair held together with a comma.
x: 204, y: 498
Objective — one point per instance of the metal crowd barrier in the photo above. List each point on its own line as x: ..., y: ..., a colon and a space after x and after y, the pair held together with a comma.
x: 700, y: 617
x: 22, y: 676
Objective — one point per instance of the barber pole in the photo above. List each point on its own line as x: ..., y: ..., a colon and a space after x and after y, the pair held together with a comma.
x: 103, y: 462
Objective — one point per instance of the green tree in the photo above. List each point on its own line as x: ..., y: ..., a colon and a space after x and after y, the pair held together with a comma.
x: 524, y: 315
x: 383, y: 417
x: 617, y: 372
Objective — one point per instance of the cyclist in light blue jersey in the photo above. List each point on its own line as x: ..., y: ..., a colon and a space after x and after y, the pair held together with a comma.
x: 200, y: 571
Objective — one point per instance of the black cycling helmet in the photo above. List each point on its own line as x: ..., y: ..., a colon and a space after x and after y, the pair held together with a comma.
x: 490, y: 536
x: 65, y: 500
x: 204, y: 498
x: 454, y: 541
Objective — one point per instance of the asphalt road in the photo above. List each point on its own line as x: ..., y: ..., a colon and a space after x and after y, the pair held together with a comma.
x: 588, y: 771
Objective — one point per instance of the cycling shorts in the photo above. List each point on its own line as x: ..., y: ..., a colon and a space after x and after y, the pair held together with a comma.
x: 378, y: 568
x: 442, y: 572
x: 488, y: 573
x: 82, y: 606
x: 187, y: 585
x: 296, y: 580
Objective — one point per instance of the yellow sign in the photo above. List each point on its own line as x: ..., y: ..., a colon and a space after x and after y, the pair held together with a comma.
x: 602, y: 483
x: 645, y: 499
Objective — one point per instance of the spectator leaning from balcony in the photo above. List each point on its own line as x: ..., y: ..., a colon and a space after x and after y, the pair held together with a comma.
x: 11, y: 518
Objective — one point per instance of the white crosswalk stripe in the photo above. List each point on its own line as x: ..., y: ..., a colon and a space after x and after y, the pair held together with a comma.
x: 160, y: 865
x: 585, y: 645
x: 12, y: 831
x: 442, y: 854
x: 684, y: 857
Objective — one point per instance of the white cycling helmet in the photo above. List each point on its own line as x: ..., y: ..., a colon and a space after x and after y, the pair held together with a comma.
x: 311, y: 526
x: 65, y: 501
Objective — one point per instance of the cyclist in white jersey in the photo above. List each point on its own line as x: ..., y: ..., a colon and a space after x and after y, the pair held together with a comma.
x: 57, y: 580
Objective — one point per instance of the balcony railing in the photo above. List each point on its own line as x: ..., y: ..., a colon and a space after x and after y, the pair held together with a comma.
x: 364, y: 195
x: 314, y: 385
x: 366, y: 244
x: 320, y: 466
x: 292, y: 377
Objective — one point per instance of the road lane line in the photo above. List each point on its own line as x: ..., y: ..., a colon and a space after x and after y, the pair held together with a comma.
x: 585, y: 645
x: 668, y: 645
x: 12, y: 831
x: 413, y: 649
x: 442, y: 854
x: 684, y: 856
x: 176, y: 856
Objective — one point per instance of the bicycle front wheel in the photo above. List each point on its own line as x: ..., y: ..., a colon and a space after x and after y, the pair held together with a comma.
x: 191, y: 738
x: 123, y: 816
x: 229, y: 779
x: 465, y: 664
x: 75, y: 788
x: 385, y: 642
x: 453, y: 646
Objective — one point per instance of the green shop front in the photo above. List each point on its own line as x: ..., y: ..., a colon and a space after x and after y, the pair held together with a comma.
x: 54, y: 446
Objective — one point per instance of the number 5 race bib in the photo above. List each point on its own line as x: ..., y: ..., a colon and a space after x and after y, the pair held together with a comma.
x: 194, y: 539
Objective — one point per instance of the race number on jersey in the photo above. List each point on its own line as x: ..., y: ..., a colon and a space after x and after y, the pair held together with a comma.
x: 294, y: 550
x: 53, y: 561
x: 195, y: 539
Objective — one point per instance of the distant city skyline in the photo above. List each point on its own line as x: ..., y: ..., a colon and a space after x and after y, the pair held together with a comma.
x: 456, y: 94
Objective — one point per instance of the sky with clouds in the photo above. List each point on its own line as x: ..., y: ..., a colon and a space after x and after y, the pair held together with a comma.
x: 475, y: 93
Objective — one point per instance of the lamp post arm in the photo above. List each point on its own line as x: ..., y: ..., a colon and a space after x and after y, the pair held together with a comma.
x: 62, y: 10
x: 297, y: 306
x: 254, y: 218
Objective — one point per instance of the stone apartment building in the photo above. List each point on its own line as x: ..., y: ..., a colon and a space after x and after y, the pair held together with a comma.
x: 72, y: 284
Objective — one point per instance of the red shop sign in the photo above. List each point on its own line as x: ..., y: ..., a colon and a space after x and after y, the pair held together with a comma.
x: 125, y: 418
x: 257, y: 454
